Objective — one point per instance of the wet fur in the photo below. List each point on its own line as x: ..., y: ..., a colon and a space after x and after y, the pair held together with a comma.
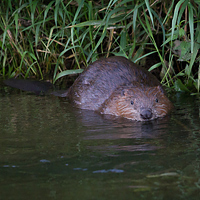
x: 109, y: 85
x: 130, y: 101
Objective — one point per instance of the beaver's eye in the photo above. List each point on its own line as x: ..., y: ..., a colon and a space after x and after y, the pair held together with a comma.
x: 156, y: 100
x: 132, y: 102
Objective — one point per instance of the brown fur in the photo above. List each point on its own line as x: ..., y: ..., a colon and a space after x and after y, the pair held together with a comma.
x: 137, y: 103
x: 112, y: 85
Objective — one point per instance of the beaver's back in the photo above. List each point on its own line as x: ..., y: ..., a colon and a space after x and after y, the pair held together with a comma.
x: 101, y: 78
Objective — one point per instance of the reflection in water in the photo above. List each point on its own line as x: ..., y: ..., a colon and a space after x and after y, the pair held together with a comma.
x: 50, y: 150
x: 103, y: 127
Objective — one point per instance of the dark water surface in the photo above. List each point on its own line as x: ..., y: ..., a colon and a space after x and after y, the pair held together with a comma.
x: 50, y: 150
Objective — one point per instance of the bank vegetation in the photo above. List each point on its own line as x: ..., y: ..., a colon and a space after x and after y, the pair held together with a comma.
x: 50, y: 39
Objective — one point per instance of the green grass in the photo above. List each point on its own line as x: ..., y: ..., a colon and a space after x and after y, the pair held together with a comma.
x: 43, y: 39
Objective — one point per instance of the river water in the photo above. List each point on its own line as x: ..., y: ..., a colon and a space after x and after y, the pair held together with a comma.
x: 50, y: 150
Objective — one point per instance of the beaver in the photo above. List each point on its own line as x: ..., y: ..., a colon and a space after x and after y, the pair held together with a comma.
x: 117, y: 86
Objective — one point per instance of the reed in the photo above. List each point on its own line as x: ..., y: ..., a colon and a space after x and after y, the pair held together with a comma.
x: 50, y: 40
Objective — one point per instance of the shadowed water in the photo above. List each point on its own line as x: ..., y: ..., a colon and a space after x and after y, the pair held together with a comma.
x: 50, y: 150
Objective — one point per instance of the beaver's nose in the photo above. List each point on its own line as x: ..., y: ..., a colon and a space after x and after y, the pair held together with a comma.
x: 146, y: 113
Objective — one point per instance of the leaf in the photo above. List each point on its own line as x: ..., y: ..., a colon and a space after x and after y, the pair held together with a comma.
x: 181, y: 32
x: 175, y: 36
x: 154, y: 66
x: 177, y: 8
x: 145, y: 55
x: 89, y: 23
x: 149, y: 10
x: 184, y: 47
x: 197, y: 2
x: 191, y: 25
x: 193, y: 55
x: 67, y: 72
x: 123, y: 40
x: 180, y: 87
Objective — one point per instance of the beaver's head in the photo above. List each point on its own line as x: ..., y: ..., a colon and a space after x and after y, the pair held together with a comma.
x: 137, y: 102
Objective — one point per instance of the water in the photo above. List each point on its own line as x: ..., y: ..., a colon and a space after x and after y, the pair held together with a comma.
x: 50, y: 150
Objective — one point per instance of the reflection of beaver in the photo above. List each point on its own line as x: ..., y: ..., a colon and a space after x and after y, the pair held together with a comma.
x: 119, y: 87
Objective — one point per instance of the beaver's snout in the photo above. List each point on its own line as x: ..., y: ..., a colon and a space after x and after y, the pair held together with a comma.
x: 146, y: 113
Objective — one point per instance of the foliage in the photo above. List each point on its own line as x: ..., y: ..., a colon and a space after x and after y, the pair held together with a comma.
x: 42, y: 38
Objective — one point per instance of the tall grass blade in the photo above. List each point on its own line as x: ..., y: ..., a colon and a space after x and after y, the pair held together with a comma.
x: 149, y: 10
x: 174, y: 20
x: 191, y: 24
x: 64, y: 73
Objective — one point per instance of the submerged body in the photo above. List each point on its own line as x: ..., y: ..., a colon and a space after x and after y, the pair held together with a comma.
x: 115, y: 86
x: 119, y: 87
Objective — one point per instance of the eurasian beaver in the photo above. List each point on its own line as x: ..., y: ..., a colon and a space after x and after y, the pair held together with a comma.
x: 117, y: 86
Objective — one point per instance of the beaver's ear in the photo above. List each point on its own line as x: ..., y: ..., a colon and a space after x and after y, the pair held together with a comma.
x: 124, y: 92
x: 160, y: 88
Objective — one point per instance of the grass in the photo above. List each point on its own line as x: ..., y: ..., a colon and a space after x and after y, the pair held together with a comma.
x: 50, y: 40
